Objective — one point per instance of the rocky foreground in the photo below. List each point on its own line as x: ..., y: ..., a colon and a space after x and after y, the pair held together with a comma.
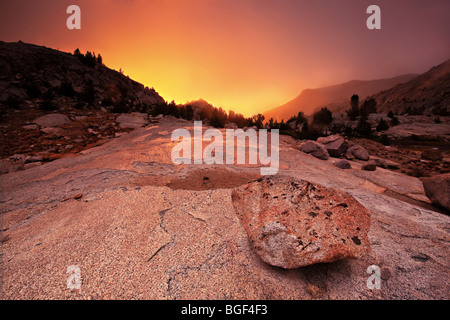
x: 139, y: 227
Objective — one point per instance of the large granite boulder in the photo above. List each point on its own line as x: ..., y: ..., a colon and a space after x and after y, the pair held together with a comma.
x: 294, y: 223
x: 335, y: 145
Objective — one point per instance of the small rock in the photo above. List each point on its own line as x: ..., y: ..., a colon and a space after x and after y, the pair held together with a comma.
x: 349, y: 155
x: 337, y: 147
x: 51, y: 130
x: 329, y: 139
x: 132, y: 120
x: 52, y: 120
x: 379, y: 162
x: 370, y: 166
x: 359, y: 152
x: 343, y: 164
x: 315, y: 149
x: 30, y: 127
x: 30, y: 159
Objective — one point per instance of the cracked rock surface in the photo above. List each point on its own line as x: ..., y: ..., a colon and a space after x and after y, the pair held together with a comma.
x: 139, y: 227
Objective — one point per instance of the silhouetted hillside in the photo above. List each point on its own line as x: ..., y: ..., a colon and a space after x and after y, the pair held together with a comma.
x: 335, y: 98
x: 427, y: 93
x: 54, y: 78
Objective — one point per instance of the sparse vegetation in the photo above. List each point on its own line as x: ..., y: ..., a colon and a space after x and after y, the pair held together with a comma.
x: 394, y: 121
x: 382, y: 125
x: 353, y: 112
x: 89, y: 58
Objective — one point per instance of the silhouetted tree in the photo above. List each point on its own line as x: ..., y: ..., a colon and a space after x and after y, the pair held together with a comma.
x: 99, y: 59
x: 354, y: 107
x: 323, y: 117
x: 394, y: 121
x: 369, y: 106
x: 77, y: 53
x: 364, y: 129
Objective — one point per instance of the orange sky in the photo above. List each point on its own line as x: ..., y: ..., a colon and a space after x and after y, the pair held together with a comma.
x: 245, y: 55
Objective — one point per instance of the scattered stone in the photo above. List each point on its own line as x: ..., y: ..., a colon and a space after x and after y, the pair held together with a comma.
x: 12, y: 164
x: 52, y: 130
x: 30, y: 127
x: 294, y: 223
x: 337, y: 147
x: 370, y: 166
x: 316, y: 149
x: 437, y: 189
x: 379, y: 162
x: 30, y: 159
x: 32, y: 165
x: 52, y: 120
x: 349, y: 155
x: 132, y: 120
x: 359, y: 152
x: 328, y: 139
x: 343, y: 164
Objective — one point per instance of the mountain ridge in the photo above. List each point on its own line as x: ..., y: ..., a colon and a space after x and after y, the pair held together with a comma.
x: 335, y: 97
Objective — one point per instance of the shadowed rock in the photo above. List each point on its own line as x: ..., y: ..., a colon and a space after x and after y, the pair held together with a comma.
x: 343, y: 164
x: 437, y: 190
x: 335, y: 145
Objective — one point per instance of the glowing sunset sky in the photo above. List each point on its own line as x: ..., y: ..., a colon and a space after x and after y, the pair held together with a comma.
x: 245, y: 55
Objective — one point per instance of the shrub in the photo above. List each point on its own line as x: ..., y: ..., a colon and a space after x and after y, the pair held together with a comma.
x: 395, y: 122
x: 382, y: 125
